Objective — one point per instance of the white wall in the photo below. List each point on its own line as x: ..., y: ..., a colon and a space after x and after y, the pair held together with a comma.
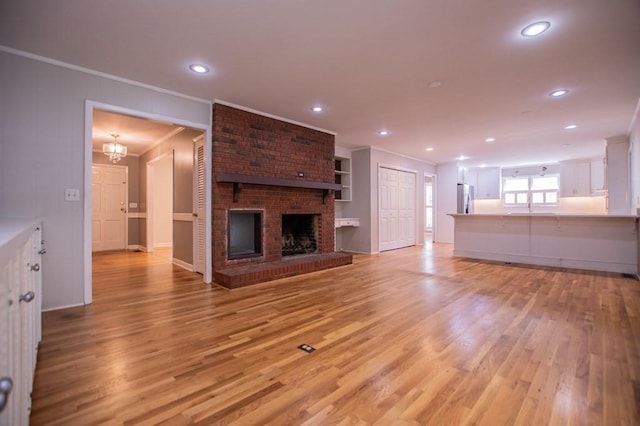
x: 42, y: 141
x: 163, y: 202
x: 364, y: 204
x: 446, y: 201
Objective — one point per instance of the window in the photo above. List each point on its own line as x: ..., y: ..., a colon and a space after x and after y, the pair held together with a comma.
x: 534, y: 190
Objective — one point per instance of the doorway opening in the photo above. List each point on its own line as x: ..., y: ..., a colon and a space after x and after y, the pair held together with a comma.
x: 162, y: 171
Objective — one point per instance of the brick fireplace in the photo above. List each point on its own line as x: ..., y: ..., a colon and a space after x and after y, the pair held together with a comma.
x: 281, y: 175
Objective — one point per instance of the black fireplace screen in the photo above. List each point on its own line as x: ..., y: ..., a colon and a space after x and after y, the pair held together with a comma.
x: 299, y: 234
x: 245, y: 234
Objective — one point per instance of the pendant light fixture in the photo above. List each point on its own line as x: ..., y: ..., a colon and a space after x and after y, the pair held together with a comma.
x: 114, y: 150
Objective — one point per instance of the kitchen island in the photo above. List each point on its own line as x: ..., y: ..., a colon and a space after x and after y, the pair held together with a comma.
x: 594, y: 242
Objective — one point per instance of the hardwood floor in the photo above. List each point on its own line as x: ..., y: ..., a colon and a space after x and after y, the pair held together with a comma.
x: 411, y: 336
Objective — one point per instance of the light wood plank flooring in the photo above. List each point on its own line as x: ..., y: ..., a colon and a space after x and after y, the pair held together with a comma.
x: 411, y: 336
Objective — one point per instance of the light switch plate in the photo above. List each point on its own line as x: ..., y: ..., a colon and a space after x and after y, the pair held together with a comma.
x: 72, y: 194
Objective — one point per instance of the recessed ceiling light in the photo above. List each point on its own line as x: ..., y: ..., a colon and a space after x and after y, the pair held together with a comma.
x: 570, y: 126
x: 489, y: 140
x: 483, y: 165
x: 435, y: 84
x: 317, y: 109
x: 429, y: 149
x: 197, y: 68
x: 535, y: 29
x: 383, y: 132
x: 558, y: 93
x: 462, y: 158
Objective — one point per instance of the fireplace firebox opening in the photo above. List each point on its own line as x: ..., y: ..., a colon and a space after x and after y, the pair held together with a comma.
x: 245, y: 234
x: 300, y: 234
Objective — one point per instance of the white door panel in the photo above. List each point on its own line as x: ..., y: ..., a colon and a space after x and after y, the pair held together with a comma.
x: 397, y: 201
x: 109, y: 207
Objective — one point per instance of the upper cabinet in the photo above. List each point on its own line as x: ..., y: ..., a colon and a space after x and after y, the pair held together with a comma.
x: 488, y: 183
x: 343, y: 177
x: 575, y: 178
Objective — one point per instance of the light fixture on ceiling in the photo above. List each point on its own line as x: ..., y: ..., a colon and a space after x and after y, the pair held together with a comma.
x: 198, y: 68
x: 383, y: 132
x: 435, y: 84
x: 114, y: 150
x: 429, y: 149
x: 489, y: 140
x: 535, y: 29
x: 317, y: 108
x: 558, y: 93
x: 462, y: 158
x: 570, y: 126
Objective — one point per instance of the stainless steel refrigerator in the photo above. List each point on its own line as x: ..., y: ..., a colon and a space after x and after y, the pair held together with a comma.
x: 465, y: 198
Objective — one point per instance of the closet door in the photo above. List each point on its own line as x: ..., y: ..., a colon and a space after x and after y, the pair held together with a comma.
x: 406, y: 209
x: 388, y: 207
x: 397, y: 204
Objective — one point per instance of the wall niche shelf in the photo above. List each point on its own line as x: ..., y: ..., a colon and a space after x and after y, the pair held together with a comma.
x: 342, y: 175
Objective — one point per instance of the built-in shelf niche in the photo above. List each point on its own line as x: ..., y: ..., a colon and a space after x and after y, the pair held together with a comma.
x: 343, y: 178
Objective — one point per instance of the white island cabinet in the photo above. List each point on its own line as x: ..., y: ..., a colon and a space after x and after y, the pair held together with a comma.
x: 592, y: 242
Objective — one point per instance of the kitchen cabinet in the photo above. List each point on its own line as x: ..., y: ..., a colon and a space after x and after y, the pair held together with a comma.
x: 575, y: 179
x: 488, y: 183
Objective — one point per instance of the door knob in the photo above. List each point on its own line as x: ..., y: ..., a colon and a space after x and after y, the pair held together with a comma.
x: 6, y: 384
x: 27, y: 297
x: 35, y: 267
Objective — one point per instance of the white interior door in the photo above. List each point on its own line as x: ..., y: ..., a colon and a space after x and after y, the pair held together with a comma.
x: 388, y: 210
x: 397, y: 204
x: 406, y: 209
x: 109, y: 201
x: 199, y: 237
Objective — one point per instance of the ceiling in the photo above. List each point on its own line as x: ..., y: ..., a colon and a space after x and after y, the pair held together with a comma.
x: 370, y: 63
x: 137, y: 134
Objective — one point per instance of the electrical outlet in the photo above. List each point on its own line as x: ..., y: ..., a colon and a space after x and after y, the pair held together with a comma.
x: 72, y: 194
x: 300, y: 174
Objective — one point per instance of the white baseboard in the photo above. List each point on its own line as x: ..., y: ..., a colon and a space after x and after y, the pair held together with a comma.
x: 162, y: 245
x: 183, y: 264
x: 136, y: 247
x: 57, y: 308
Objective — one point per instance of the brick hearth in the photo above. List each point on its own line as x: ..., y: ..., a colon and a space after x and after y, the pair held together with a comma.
x: 272, y: 158
x: 253, y: 273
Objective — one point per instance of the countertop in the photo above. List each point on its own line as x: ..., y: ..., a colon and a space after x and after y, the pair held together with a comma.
x: 559, y: 215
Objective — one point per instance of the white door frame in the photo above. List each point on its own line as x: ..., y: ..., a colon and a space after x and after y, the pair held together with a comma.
x: 433, y: 178
x: 126, y: 198
x: 150, y: 206
x: 88, y: 159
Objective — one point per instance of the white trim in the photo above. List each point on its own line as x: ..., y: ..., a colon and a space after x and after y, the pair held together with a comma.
x: 265, y: 114
x: 184, y: 265
x: 138, y: 247
x: 57, y: 308
x: 89, y: 71
x: 163, y: 245
x: 137, y: 215
x: 183, y: 217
